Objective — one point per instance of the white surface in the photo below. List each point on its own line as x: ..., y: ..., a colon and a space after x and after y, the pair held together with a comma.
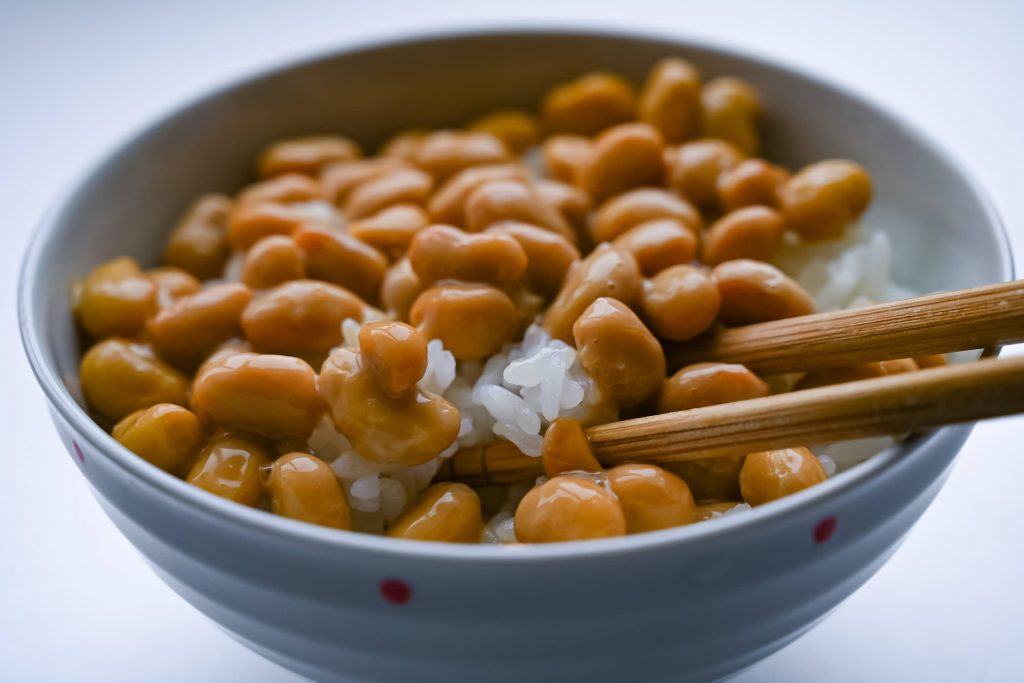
x: 76, y: 603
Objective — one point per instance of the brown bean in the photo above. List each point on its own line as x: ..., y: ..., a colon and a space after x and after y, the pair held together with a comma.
x: 670, y: 100
x: 391, y: 230
x: 517, y: 129
x: 396, y: 352
x: 274, y: 396
x: 651, y: 498
x: 300, y: 317
x: 172, y: 283
x: 568, y: 508
x: 821, y: 199
x: 341, y: 259
x: 770, y: 475
x: 731, y: 108
x: 589, y: 104
x: 750, y: 182
x: 473, y: 321
x: 446, y: 513
x: 119, y: 377
x: 303, y: 487
x: 271, y: 261
x: 632, y: 208
x: 711, y: 479
x: 409, y: 430
x: 507, y: 200
x: 626, y: 156
x: 338, y: 180
x: 405, y: 186
x: 252, y: 222
x: 198, y: 243
x: 706, y: 511
x: 165, y: 435
x: 658, y: 244
x: 566, y: 449
x: 606, y: 271
x: 446, y: 152
x: 756, y: 292
x: 694, y: 169
x: 565, y: 155
x: 680, y: 302
x: 230, y: 467
x: 284, y: 189
x: 619, y: 352
x: 116, y: 300
x: 709, y: 384
x: 549, y: 256
x: 306, y: 155
x: 572, y: 204
x: 403, y: 145
x: 190, y: 328
x: 852, y: 373
x: 753, y: 232
x: 442, y: 252
x: 933, y: 360
x: 448, y: 203
x: 400, y: 289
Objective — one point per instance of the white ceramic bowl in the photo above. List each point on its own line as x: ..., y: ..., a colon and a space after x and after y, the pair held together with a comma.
x: 695, y: 603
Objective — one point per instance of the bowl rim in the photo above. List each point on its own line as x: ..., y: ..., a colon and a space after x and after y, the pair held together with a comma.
x: 334, y: 540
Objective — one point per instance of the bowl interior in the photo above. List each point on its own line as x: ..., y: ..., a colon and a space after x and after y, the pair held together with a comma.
x: 943, y: 232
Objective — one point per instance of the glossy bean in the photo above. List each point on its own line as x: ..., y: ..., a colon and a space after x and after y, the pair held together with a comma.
x: 680, y: 302
x: 731, y: 109
x: 230, y: 466
x: 770, y: 475
x: 396, y: 352
x: 300, y: 317
x: 390, y: 231
x: 823, y: 198
x: 753, y: 232
x: 630, y: 209
x: 165, y: 435
x: 442, y: 252
x: 566, y: 449
x: 605, y: 272
x: 116, y: 300
x: 588, y: 104
x: 517, y: 129
x: 447, y: 512
x: 272, y: 261
x: 694, y: 168
x: 750, y: 182
x: 341, y: 259
x: 307, y: 155
x: 548, y: 255
x: 658, y: 244
x: 568, y: 508
x: 119, y: 377
x: 274, y: 396
x: 404, y: 186
x: 189, y: 329
x: 651, y: 498
x: 198, y: 244
x: 756, y: 292
x: 444, y: 153
x: 303, y: 487
x: 670, y: 100
x: 473, y: 321
x: 408, y: 430
x: 624, y: 157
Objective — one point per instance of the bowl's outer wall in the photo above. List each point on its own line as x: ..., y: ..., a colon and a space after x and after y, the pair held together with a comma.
x: 705, y: 606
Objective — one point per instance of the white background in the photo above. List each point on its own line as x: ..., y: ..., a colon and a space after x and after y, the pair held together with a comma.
x: 77, y: 603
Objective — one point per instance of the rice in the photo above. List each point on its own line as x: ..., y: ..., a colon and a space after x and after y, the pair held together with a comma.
x: 518, y: 392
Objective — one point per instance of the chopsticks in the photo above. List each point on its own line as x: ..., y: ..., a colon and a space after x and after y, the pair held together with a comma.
x: 939, y: 323
x: 873, y: 407
x: 975, y: 318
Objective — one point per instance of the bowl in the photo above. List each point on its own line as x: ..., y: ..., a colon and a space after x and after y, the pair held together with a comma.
x: 692, y: 603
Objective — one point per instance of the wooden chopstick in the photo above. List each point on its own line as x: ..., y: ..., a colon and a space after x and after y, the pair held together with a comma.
x: 886, y: 405
x: 939, y: 323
